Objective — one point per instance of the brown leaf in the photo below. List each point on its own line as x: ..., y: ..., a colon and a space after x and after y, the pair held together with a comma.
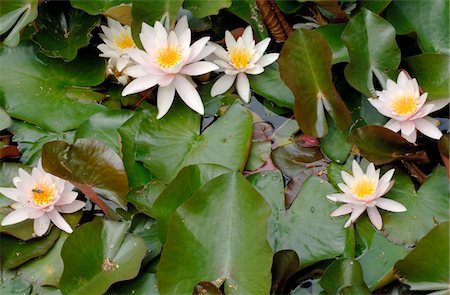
x: 274, y: 20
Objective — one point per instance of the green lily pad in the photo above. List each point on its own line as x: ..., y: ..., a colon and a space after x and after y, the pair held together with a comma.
x: 344, y: 276
x: 332, y: 33
x: 377, y: 55
x: 14, y: 16
x: 146, y: 228
x: 31, y: 139
x: 61, y: 32
x: 431, y: 71
x: 98, y: 254
x: 9, y: 170
x: 427, y: 266
x: 98, y: 6
x: 269, y: 85
x: 11, y: 283
x: 259, y: 154
x: 144, y: 283
x: 426, y: 207
x: 248, y: 11
x: 376, y: 6
x: 89, y: 163
x: 334, y: 145
x: 5, y: 119
x: 187, y: 182
x: 173, y: 142
x: 143, y: 197
x: 104, y: 127
x: 305, y: 67
x: 429, y: 19
x: 23, y: 230
x: 381, y: 145
x: 232, y: 249
x: 285, y: 264
x: 202, y: 8
x: 46, y: 86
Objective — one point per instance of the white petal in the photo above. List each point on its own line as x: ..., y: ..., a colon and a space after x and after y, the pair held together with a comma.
x: 267, y: 59
x: 185, y: 39
x: 259, y: 50
x: 345, y: 188
x: 160, y: 32
x: 206, y: 51
x: 15, y: 217
x: 197, y: 49
x: 243, y: 87
x: 384, y: 185
x: 344, y: 209
x: 375, y: 217
x: 357, y: 211
x: 390, y: 205
x: 231, y: 72
x: 370, y: 172
x: 344, y: 198
x: 11, y: 193
x: 222, y: 84
x: 165, y: 80
x: 181, y: 26
x: 439, y: 104
x: 403, y: 80
x: 407, y: 127
x: 425, y: 110
x: 255, y: 70
x: 220, y: 52
x: 199, y: 68
x: 348, y: 179
x: 72, y: 207
x: 189, y: 94
x: 223, y: 64
x: 229, y: 40
x: 393, y: 125
x: 140, y: 84
x: 122, y: 63
x: 164, y: 99
x: 41, y: 225
x: 136, y: 71
x: 412, y: 137
x: 247, y: 36
x: 139, y: 56
x: 59, y: 221
x: 357, y: 171
x: 428, y: 128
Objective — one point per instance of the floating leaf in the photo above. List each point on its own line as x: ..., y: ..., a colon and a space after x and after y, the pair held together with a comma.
x: 429, y: 19
x: 49, y: 87
x: 378, y: 55
x: 305, y: 67
x: 334, y: 145
x: 98, y: 6
x: 259, y: 154
x: 206, y: 288
x: 61, y: 32
x: 431, y: 71
x: 332, y: 33
x: 5, y: 119
x: 427, y: 266
x: 146, y: 228
x: 16, y: 15
x: 233, y: 248
x: 376, y: 6
x: 173, y: 142
x: 23, y: 230
x: 248, y: 11
x: 98, y: 254
x: 143, y: 197
x: 89, y: 163
x: 144, y: 283
x: 270, y: 86
x: 426, y: 208
x: 202, y: 8
x: 285, y: 264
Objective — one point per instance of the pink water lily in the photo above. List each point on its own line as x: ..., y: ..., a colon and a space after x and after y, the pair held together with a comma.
x: 408, y: 109
x: 362, y: 191
x: 41, y: 196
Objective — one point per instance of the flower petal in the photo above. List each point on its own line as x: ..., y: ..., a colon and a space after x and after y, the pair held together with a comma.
x: 59, y: 221
x: 427, y: 128
x: 11, y: 193
x: 267, y: 59
x: 390, y: 205
x: 348, y: 179
x: 189, y: 94
x: 223, y: 64
x: 255, y: 70
x: 375, y: 217
x: 412, y: 137
x: 164, y: 100
x: 41, y: 225
x: 393, y: 125
x: 197, y: 48
x: 345, y: 198
x: 72, y: 207
x: 357, y: 211
x: 136, y: 71
x: 222, y: 84
x: 15, y: 216
x: 206, y: 51
x: 344, y: 209
x: 199, y: 68
x: 345, y: 188
x: 243, y: 87
x: 219, y: 51
x: 181, y: 26
x: 438, y: 104
x: 140, y: 84
x: 259, y: 50
x: 407, y: 127
x: 229, y: 40
x: 357, y: 171
x: 247, y: 35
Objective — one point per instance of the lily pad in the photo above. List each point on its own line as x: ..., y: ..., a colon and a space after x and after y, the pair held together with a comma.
x: 344, y: 276
x: 259, y: 154
x: 248, y: 11
x: 173, y: 142
x: 202, y: 8
x: 23, y: 230
x: 5, y: 119
x: 16, y: 15
x: 49, y: 87
x: 332, y: 33
x: 335, y: 145
x: 378, y: 55
x: 90, y: 163
x: 232, y: 249
x: 144, y: 283
x: 285, y: 264
x: 98, y: 254
x: 305, y: 67
x: 98, y: 6
x: 61, y: 32
x: 146, y: 228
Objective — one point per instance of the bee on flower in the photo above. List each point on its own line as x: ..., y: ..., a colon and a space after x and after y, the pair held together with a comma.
x: 41, y: 196
x: 408, y: 109
x: 241, y: 58
x: 362, y: 191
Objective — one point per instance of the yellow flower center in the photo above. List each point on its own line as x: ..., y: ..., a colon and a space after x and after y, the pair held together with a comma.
x: 363, y: 187
x: 124, y: 41
x: 404, y: 104
x: 240, y: 57
x: 169, y: 56
x: 43, y: 193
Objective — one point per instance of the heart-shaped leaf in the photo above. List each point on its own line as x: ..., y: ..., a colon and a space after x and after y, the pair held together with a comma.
x: 202, y: 8
x: 232, y: 249
x: 49, y: 87
x: 378, y: 55
x: 98, y: 254
x: 305, y: 67
x: 16, y: 15
x: 61, y: 32
x: 344, y: 276
x: 173, y: 142
x: 89, y: 163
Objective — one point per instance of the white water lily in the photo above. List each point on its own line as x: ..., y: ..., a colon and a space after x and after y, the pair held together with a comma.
x: 407, y: 109
x: 117, y: 39
x: 363, y: 191
x: 241, y: 58
x: 117, y: 70
x: 169, y: 60
x: 41, y: 196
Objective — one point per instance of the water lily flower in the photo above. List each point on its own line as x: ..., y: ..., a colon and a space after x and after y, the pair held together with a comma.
x: 242, y: 57
x: 117, y: 39
x: 41, y: 196
x: 118, y: 71
x: 407, y: 109
x: 168, y: 61
x: 363, y: 191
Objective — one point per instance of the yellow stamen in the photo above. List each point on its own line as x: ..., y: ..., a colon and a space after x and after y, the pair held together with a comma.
x: 124, y: 41
x: 43, y: 193
x: 240, y: 57
x: 363, y: 187
x: 404, y: 105
x: 169, y: 56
